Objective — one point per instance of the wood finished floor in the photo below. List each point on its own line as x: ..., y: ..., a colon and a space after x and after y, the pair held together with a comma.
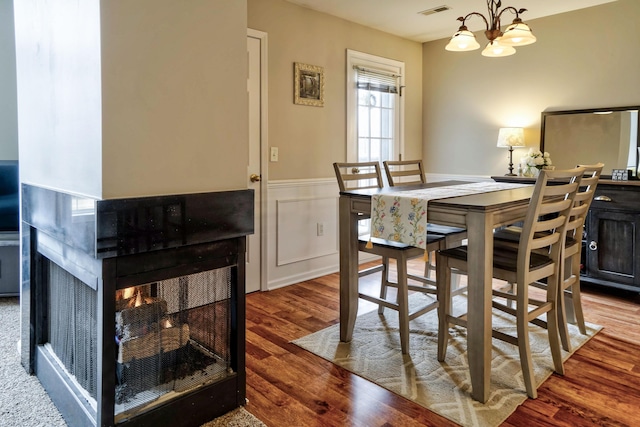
x: 288, y: 386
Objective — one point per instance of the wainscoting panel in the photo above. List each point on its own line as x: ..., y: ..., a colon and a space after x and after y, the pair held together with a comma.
x: 294, y: 250
x: 306, y: 228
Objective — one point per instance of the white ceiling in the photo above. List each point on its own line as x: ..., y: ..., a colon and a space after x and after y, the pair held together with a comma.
x: 403, y: 18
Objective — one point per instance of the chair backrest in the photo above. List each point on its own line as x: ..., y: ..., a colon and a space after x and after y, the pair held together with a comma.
x: 545, y: 225
x: 358, y: 175
x: 404, y: 172
x: 583, y: 200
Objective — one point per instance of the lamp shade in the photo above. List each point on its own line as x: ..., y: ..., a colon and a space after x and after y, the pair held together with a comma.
x: 511, y: 137
x: 462, y: 41
x: 496, y: 49
x: 517, y: 34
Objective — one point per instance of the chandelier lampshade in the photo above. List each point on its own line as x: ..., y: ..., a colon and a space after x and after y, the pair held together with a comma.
x: 463, y: 40
x: 496, y: 49
x: 500, y: 43
x: 517, y: 34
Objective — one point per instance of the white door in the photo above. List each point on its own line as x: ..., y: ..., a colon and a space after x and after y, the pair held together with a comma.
x: 256, y: 87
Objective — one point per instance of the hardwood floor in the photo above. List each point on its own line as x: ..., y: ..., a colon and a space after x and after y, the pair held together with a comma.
x: 288, y: 386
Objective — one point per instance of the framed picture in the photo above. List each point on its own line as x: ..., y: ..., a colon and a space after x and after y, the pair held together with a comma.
x: 308, y: 82
x: 619, y: 175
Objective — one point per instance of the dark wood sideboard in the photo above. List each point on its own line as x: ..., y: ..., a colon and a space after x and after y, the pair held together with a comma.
x: 611, y: 240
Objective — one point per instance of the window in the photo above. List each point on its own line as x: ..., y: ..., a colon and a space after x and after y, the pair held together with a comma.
x: 374, y: 107
x: 375, y: 126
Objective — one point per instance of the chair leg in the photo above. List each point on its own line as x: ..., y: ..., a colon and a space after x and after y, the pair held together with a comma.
x: 384, y: 282
x: 403, y: 304
x: 552, y: 324
x: 429, y: 265
x: 524, y: 347
x: 561, y: 308
x: 571, y: 309
x: 511, y: 290
x: 443, y: 278
x: 576, y: 298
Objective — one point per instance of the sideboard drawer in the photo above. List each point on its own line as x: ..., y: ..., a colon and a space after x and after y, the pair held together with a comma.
x: 607, y: 197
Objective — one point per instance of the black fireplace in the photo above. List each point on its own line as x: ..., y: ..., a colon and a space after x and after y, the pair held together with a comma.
x: 133, y: 309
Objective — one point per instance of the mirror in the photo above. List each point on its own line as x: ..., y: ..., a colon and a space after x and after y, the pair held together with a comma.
x: 607, y: 135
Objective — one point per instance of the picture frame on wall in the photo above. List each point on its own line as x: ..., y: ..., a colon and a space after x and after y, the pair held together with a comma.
x: 619, y: 175
x: 308, y: 84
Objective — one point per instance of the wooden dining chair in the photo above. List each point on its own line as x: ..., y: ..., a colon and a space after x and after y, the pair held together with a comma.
x: 408, y: 172
x: 358, y: 175
x: 569, y: 297
x: 361, y: 175
x: 537, y: 256
x: 368, y: 175
x: 404, y: 172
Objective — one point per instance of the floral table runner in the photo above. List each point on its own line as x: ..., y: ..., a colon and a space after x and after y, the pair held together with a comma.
x: 402, y: 216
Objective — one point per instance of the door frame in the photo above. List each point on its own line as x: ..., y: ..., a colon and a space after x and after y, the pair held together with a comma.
x: 264, y: 146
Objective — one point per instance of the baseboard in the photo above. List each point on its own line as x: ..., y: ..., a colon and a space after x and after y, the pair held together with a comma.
x: 281, y: 282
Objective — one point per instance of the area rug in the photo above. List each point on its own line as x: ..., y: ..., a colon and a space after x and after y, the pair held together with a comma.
x: 444, y: 388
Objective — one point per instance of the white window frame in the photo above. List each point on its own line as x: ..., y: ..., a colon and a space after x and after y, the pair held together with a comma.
x: 355, y: 58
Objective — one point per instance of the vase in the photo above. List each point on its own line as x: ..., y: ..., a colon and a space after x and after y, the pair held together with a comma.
x: 530, y: 171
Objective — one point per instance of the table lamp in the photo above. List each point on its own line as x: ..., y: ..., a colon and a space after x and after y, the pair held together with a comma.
x: 511, y: 137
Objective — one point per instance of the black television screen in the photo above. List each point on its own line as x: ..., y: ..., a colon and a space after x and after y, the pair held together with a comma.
x: 9, y: 199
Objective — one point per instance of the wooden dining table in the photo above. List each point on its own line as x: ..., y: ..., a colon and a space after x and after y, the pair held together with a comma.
x: 480, y: 214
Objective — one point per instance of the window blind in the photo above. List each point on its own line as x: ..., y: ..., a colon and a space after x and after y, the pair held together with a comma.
x: 375, y: 80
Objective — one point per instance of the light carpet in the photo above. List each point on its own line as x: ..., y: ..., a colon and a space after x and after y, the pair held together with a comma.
x: 23, y: 401
x: 374, y: 353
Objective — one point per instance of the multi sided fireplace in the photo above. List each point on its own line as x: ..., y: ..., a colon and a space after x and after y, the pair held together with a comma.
x: 133, y: 309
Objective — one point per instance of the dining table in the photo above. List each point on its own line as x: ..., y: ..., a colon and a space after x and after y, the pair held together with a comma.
x: 479, y: 214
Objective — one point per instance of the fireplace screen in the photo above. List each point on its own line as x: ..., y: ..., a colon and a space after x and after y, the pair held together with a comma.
x: 172, y: 336
x: 72, y: 327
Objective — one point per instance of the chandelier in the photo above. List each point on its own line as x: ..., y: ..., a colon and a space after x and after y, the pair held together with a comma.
x: 500, y: 43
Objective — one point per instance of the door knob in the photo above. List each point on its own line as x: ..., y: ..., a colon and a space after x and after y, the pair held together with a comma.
x: 593, y: 245
x: 254, y: 177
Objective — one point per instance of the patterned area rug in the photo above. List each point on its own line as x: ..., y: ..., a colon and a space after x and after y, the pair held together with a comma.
x: 374, y: 353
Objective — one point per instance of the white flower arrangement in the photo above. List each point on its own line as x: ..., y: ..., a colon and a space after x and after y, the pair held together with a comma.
x: 537, y: 159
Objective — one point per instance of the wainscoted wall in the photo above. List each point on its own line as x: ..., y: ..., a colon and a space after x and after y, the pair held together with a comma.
x: 295, y: 251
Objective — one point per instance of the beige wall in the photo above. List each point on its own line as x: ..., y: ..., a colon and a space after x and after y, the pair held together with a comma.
x: 582, y: 59
x: 310, y: 139
x: 8, y: 107
x: 174, y: 88
x: 121, y: 99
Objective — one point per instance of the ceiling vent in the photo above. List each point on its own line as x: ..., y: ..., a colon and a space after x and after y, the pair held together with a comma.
x: 433, y: 10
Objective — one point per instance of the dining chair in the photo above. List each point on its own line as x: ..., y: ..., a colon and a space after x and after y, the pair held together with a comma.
x: 361, y: 175
x: 537, y: 256
x: 368, y: 175
x: 408, y: 172
x: 569, y: 297
x: 404, y: 172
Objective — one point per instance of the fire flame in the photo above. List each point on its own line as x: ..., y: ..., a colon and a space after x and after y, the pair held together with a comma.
x: 128, y: 292
x: 139, y: 300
